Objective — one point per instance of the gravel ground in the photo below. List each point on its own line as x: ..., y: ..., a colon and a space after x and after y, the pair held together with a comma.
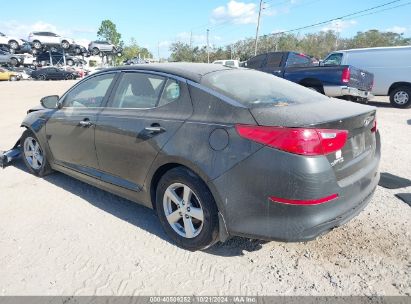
x: 59, y: 236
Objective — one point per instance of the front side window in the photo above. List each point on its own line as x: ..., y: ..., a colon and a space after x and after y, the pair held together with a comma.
x: 89, y: 93
x: 333, y: 59
x: 138, y: 91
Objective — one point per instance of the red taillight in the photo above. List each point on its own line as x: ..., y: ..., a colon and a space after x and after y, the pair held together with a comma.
x: 304, y: 202
x: 296, y: 140
x: 374, y: 125
x: 345, y: 77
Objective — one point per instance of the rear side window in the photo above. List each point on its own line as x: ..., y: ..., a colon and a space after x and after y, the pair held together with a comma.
x: 298, y: 60
x: 254, y: 88
x: 333, y: 59
x: 256, y: 62
x: 170, y: 93
x: 138, y: 91
x: 274, y: 60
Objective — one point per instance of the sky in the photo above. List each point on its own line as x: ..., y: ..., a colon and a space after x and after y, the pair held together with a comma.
x: 156, y: 24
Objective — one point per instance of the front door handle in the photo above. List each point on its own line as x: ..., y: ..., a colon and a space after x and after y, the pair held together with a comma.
x: 85, y: 123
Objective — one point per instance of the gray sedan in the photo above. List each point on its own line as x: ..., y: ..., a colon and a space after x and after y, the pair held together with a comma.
x: 216, y: 151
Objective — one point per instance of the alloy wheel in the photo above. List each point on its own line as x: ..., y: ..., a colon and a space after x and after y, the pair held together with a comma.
x: 401, y: 97
x: 183, y: 210
x: 33, y: 153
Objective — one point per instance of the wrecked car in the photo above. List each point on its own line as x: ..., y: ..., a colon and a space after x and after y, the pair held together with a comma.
x: 215, y: 151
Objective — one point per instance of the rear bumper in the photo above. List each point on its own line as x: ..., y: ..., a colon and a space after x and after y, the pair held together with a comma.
x: 338, y: 91
x: 244, y: 191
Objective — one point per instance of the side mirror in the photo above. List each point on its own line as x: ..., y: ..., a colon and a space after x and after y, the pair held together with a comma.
x: 50, y: 102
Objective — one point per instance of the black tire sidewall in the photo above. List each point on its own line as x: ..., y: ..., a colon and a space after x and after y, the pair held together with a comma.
x: 399, y: 89
x: 45, y: 167
x: 209, y: 233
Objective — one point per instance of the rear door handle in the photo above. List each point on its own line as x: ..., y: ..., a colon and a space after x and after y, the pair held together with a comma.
x: 155, y: 130
x: 85, y: 123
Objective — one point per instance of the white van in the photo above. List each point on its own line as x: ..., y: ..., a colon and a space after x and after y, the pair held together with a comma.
x: 391, y: 67
x: 230, y: 63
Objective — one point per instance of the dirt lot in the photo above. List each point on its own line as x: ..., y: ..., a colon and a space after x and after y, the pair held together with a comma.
x: 61, y: 236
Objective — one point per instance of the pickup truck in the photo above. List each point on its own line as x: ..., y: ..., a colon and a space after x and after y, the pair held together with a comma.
x: 343, y: 81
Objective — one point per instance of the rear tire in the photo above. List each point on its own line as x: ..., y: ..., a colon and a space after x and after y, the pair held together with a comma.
x: 317, y: 89
x: 96, y: 51
x: 33, y: 154
x: 190, y: 219
x: 401, y: 97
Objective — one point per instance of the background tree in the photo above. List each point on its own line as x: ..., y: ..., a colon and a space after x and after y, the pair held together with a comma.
x: 314, y: 44
x: 108, y: 31
x: 132, y: 50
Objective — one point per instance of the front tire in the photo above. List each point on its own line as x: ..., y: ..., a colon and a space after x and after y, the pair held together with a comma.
x: 34, y: 156
x: 96, y: 51
x: 401, y: 97
x: 37, y: 45
x: 187, y: 210
x: 14, y: 61
x: 65, y: 44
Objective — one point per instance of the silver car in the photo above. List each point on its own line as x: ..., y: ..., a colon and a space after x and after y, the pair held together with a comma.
x: 39, y: 39
x: 96, y: 47
x: 8, y: 58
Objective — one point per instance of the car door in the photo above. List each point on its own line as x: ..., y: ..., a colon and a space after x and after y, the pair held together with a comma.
x: 70, y: 130
x: 143, y: 113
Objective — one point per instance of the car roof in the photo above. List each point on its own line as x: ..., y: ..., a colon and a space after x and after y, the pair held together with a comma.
x: 190, y: 71
x: 384, y: 48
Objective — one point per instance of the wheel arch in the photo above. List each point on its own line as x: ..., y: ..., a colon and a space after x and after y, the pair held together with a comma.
x: 312, y: 82
x: 398, y: 84
x: 161, y: 167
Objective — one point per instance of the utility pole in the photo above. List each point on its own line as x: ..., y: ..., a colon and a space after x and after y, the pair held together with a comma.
x: 258, y: 27
x: 208, y: 47
x: 191, y: 39
x: 158, y: 51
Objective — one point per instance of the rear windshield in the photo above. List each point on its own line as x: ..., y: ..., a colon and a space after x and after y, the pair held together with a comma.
x: 254, y: 88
